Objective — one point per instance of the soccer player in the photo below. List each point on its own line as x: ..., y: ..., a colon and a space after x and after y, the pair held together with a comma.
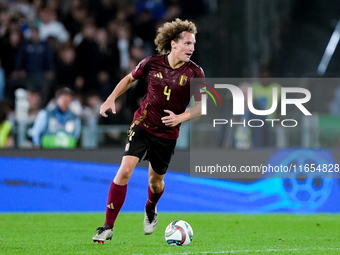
x: 156, y: 123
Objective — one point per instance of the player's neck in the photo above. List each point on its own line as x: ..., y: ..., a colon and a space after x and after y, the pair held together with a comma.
x: 174, y: 62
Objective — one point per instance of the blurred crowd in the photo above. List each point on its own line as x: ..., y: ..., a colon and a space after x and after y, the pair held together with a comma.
x: 84, y: 45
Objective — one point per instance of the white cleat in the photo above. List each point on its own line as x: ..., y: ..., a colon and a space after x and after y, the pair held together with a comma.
x: 149, y: 227
x: 104, y: 233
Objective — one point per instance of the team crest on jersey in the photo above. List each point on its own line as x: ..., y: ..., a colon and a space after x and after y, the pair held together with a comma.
x: 182, y: 80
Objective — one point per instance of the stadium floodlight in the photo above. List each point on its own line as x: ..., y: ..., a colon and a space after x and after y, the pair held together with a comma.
x: 329, y: 51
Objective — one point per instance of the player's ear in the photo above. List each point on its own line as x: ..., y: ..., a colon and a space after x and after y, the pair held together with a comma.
x: 173, y: 44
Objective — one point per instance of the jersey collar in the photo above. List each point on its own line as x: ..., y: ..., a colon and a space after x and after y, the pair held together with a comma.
x: 167, y: 62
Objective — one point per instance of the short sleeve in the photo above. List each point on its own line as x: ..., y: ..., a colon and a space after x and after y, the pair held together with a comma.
x: 199, y: 84
x: 138, y: 71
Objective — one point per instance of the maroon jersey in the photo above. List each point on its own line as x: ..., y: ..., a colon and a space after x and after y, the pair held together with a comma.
x: 168, y: 89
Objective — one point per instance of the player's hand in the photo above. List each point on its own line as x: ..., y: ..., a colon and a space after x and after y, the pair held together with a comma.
x: 172, y: 120
x: 106, y: 106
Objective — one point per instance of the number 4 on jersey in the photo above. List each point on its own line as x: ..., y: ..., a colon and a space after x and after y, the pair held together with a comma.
x: 167, y: 92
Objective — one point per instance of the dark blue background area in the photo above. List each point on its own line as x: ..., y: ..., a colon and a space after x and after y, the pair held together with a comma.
x: 49, y: 185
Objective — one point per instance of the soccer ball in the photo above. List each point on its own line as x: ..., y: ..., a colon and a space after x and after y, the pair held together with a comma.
x: 179, y: 233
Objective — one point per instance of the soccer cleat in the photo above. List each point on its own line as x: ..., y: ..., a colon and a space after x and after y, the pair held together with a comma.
x: 104, y: 233
x: 150, y: 222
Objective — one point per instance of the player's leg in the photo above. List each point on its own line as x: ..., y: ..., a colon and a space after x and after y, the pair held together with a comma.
x: 155, y: 191
x: 159, y: 155
x: 118, y: 188
x: 116, y: 198
x: 134, y: 150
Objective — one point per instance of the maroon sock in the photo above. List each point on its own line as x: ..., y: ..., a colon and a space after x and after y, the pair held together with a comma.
x: 115, y: 202
x: 152, y: 200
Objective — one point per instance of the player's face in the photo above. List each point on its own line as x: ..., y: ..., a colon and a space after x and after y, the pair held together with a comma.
x: 185, y: 47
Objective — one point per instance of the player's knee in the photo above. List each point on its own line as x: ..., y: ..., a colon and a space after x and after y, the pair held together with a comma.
x: 156, y: 186
x: 124, y: 173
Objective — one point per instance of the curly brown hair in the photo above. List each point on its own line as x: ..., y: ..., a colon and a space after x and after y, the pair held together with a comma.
x: 172, y: 31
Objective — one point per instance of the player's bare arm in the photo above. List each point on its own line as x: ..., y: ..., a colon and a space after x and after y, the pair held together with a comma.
x: 173, y: 120
x: 122, y: 86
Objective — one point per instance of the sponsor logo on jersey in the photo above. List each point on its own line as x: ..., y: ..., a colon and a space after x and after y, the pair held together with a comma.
x: 159, y: 75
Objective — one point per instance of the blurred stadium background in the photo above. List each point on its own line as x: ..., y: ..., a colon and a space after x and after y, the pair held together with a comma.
x: 94, y: 43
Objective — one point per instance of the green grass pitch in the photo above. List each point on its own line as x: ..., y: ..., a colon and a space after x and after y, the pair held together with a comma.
x: 71, y: 233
